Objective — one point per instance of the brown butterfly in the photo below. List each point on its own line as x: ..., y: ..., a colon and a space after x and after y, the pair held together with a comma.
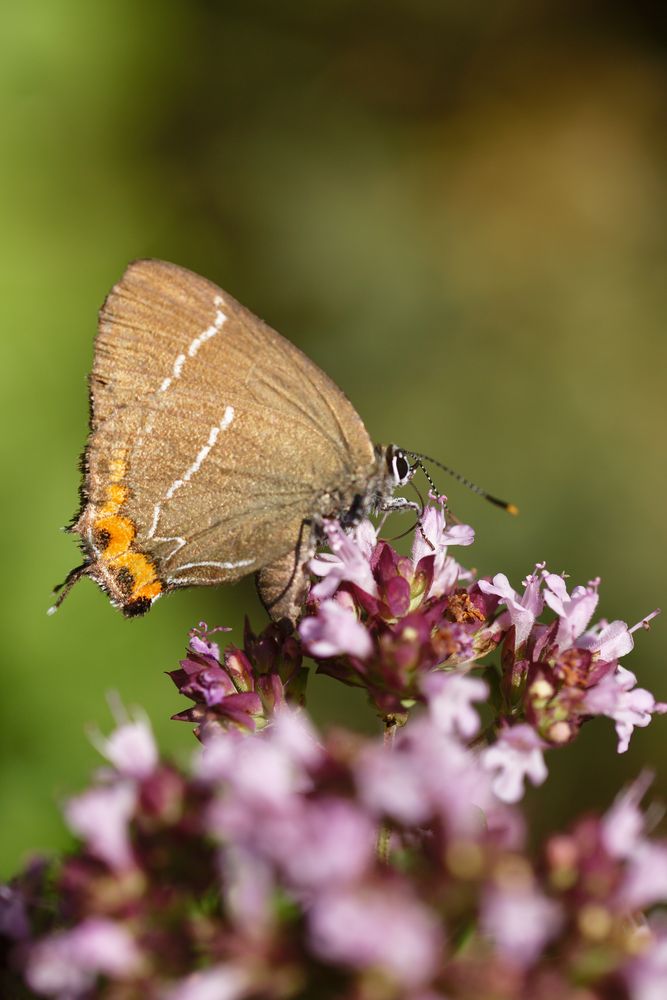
x: 216, y: 449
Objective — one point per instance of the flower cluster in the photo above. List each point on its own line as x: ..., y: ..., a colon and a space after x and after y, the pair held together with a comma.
x: 391, y: 624
x: 382, y: 621
x: 242, y: 687
x: 283, y: 865
x: 559, y: 675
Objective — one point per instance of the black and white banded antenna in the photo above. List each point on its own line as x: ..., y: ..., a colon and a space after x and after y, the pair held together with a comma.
x: 419, y: 459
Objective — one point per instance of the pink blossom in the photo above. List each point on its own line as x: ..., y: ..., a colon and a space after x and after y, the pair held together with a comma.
x: 610, y: 640
x: 574, y: 612
x: 646, y: 975
x: 426, y: 774
x: 131, y: 748
x: 645, y: 881
x: 435, y: 528
x: 516, y: 755
x: 249, y: 888
x: 622, y: 827
x: 446, y: 571
x: 450, y: 697
x: 101, y: 816
x: 520, y: 920
x: 388, y: 784
x: 66, y: 964
x: 201, y: 642
x: 269, y: 767
x: 216, y: 759
x: 324, y: 842
x: 315, y: 841
x: 617, y: 697
x: 349, y: 560
x: 293, y: 733
x: 522, y: 610
x: 263, y: 775
x: 224, y: 982
x: 380, y: 927
x: 335, y: 631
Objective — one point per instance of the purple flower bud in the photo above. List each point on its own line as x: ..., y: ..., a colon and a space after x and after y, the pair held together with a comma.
x: 14, y: 923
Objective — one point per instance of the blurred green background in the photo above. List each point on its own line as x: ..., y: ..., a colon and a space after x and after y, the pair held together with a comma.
x: 458, y: 209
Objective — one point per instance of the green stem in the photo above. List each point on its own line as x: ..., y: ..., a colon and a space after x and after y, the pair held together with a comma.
x: 384, y: 833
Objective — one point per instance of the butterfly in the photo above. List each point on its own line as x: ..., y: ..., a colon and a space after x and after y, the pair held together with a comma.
x: 216, y: 449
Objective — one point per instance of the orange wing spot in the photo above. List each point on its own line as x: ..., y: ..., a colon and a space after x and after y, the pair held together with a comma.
x: 117, y: 532
x: 150, y: 591
x: 116, y: 497
x: 144, y: 574
x: 117, y: 467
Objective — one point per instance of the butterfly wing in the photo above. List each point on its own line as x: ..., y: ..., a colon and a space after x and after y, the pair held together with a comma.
x: 212, y: 438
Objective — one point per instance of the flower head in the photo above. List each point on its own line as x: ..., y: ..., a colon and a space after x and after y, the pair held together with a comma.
x: 395, y: 617
x: 242, y: 687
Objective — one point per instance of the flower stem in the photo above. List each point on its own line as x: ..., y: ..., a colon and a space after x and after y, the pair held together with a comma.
x: 384, y: 833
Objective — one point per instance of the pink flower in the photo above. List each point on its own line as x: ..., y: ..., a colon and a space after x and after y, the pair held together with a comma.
x: 131, y: 748
x: 647, y: 974
x: 450, y: 697
x: 522, y: 610
x: 383, y: 927
x: 426, y: 775
x: 323, y: 842
x: 520, y: 920
x: 390, y: 785
x: 623, y: 825
x: 446, y: 571
x: 335, y: 631
x: 226, y: 982
x: 645, y: 881
x: 294, y: 735
x: 610, y: 641
x: 66, y: 964
x: 101, y: 817
x: 617, y: 697
x: 262, y: 776
x: 349, y: 560
x: 574, y: 612
x: 250, y: 889
x: 201, y: 642
x: 515, y: 756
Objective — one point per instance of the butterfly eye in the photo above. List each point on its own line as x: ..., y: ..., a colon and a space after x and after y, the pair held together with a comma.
x: 400, y: 468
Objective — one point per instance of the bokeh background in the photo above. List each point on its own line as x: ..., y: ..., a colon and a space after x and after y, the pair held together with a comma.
x: 458, y: 209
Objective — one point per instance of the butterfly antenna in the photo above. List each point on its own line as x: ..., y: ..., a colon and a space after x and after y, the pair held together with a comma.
x: 509, y: 507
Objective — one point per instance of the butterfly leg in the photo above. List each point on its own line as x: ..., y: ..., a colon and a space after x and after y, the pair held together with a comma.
x: 282, y: 585
x: 393, y: 504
